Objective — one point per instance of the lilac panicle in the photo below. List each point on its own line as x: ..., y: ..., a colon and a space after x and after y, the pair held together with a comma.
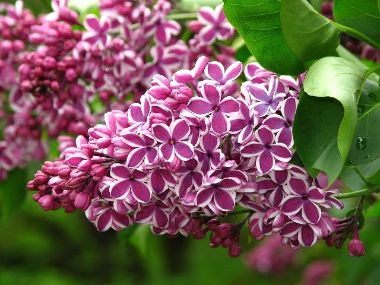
x: 190, y: 152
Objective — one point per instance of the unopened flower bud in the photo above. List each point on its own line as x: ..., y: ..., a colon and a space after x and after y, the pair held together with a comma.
x: 82, y: 201
x: 46, y: 202
x: 356, y: 248
x: 234, y: 250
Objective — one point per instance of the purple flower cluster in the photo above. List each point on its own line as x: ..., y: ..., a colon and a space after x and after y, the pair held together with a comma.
x: 62, y: 76
x: 197, y: 147
x: 133, y: 40
x: 21, y: 131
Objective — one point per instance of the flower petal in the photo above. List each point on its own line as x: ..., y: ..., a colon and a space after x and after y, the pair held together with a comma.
x: 291, y: 205
x: 120, y: 172
x: 215, y: 71
x: 281, y: 152
x: 212, y: 94
x: 199, y: 106
x: 219, y: 123
x: 265, y: 162
x: 119, y: 190
x: 132, y: 139
x: 298, y: 186
x: 307, y: 236
x: 229, y: 184
x: 209, y: 142
x: 184, y: 150
x: 290, y: 229
x: 167, y: 152
x: 229, y: 105
x: 140, y: 191
x: 316, y: 195
x: 104, y: 221
x: 225, y: 200
x: 288, y: 108
x: 160, y: 218
x: 311, y: 213
x: 161, y: 132
x: 252, y: 149
x: 135, y: 157
x: 274, y: 122
x: 204, y: 196
x: 157, y: 182
x: 180, y: 130
x: 265, y: 135
x: 233, y: 71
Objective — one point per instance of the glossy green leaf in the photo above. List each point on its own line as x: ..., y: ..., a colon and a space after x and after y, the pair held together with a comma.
x: 370, y: 171
x: 352, y: 179
x: 359, y: 18
x: 326, y: 117
x: 366, y: 142
x: 13, y: 191
x: 316, y: 4
x: 308, y: 34
x: 259, y: 24
x: 315, y: 132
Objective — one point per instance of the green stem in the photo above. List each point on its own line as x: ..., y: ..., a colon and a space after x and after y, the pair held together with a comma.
x: 358, y: 193
x: 182, y: 16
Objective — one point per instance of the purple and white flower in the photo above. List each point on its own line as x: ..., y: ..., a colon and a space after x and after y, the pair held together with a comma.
x: 173, y: 141
x: 212, y: 103
x: 266, y: 150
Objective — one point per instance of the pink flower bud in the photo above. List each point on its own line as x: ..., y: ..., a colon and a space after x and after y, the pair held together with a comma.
x: 195, y: 26
x: 234, y: 250
x: 46, y: 202
x: 70, y: 74
x: 82, y: 201
x: 215, y: 241
x: 356, y: 247
x: 224, y: 230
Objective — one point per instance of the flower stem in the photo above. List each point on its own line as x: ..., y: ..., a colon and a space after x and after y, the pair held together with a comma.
x: 182, y: 16
x: 358, y: 193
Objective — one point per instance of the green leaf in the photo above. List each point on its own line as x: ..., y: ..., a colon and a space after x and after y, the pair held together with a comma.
x: 317, y: 4
x: 366, y: 142
x: 352, y: 179
x: 370, y: 171
x: 359, y: 18
x: 315, y: 132
x: 366, y: 147
x: 13, y: 191
x: 259, y: 24
x: 326, y: 117
x: 308, y: 34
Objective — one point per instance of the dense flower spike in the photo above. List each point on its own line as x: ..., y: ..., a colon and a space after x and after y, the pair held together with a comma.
x: 193, y: 150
